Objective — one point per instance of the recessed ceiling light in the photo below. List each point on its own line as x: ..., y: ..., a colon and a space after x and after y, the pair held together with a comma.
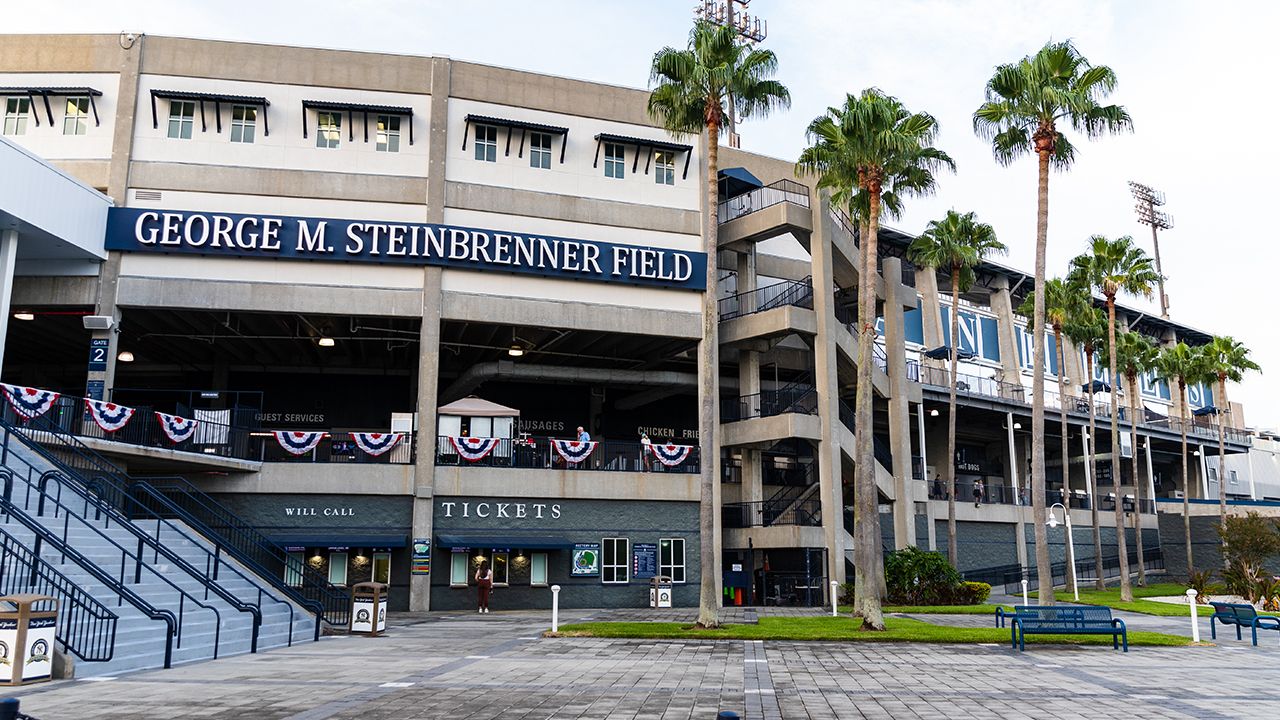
x: 515, y: 351
x: 24, y: 315
x: 325, y: 342
x: 125, y: 356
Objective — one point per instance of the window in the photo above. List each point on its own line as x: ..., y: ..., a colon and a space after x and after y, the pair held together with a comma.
x: 487, y: 143
x: 458, y: 569
x: 671, y: 559
x: 328, y: 129
x: 540, y: 151
x: 1213, y: 474
x: 293, y: 564
x: 664, y: 172
x: 500, y: 563
x: 337, y: 568
x: 388, y: 133
x: 382, y: 567
x: 244, y: 120
x: 1232, y: 475
x: 615, y: 566
x: 15, y: 115
x: 181, y: 119
x: 615, y: 160
x: 538, y: 569
x: 76, y: 119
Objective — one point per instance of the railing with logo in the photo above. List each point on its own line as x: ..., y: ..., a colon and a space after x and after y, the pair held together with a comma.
x: 787, y: 191
x: 338, y: 447
x: 797, y: 293
x: 539, y: 453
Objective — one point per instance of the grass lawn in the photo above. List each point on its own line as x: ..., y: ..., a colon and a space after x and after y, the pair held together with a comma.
x: 936, y: 609
x: 1111, y: 598
x: 841, y: 628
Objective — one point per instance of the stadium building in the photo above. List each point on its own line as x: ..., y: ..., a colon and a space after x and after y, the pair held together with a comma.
x: 389, y: 289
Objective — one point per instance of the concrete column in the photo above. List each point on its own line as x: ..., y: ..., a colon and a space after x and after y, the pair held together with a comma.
x: 1076, y: 374
x: 1002, y: 306
x: 904, y: 519
x: 1203, y: 465
x: 930, y: 312
x: 1020, y: 539
x: 1151, y: 475
x: 1013, y: 455
x: 108, y: 281
x: 826, y: 381
x: 924, y: 464
x: 429, y: 337
x: 1253, y: 487
x: 126, y: 110
x: 8, y: 257
x: 749, y: 384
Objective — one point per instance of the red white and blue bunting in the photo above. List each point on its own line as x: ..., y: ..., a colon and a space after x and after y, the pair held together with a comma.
x: 474, y: 448
x: 29, y: 402
x: 109, y: 416
x: 177, y: 429
x: 376, y: 444
x: 574, y: 451
x: 299, y: 443
x: 671, y: 455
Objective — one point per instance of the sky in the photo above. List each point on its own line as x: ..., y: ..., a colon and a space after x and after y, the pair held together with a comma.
x: 934, y: 55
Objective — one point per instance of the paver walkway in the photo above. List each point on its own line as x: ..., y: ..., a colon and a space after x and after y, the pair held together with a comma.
x: 454, y: 665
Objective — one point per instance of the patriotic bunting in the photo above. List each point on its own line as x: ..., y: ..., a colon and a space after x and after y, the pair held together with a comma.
x: 574, y: 451
x: 376, y: 444
x: 177, y: 429
x: 474, y: 448
x: 28, y: 402
x: 671, y: 455
x: 109, y: 416
x: 299, y: 443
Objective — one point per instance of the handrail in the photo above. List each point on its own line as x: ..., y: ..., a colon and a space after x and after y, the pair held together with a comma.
x: 768, y: 403
x: 806, y: 513
x: 85, y: 626
x: 798, y: 293
x: 759, y: 198
x: 119, y: 488
x: 537, y: 453
x: 881, y: 452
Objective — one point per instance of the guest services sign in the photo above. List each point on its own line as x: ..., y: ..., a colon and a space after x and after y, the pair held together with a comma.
x: 464, y: 248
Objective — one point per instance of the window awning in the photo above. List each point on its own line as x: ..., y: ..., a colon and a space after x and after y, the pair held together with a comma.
x: 335, y: 539
x: 217, y: 99
x: 503, y: 539
x: 644, y: 143
x: 351, y: 109
x: 45, y: 92
x: 511, y: 125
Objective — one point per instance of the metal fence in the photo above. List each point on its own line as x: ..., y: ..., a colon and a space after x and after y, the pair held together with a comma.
x: 798, y: 293
x: 538, y: 453
x: 768, y: 403
x: 761, y: 198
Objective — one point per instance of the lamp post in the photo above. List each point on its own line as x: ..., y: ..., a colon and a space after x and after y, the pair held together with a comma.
x: 1071, y: 546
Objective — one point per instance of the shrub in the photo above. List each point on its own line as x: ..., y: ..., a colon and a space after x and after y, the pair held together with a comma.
x: 1269, y: 590
x: 972, y: 593
x: 1200, y: 581
x: 917, y: 577
x: 845, y: 595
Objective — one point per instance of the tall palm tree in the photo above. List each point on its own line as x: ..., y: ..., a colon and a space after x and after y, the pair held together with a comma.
x: 958, y: 243
x: 1111, y: 267
x: 695, y: 89
x: 1088, y: 330
x: 1185, y: 365
x: 1062, y: 300
x: 1227, y: 359
x: 1025, y: 103
x: 863, y: 144
x: 1135, y: 356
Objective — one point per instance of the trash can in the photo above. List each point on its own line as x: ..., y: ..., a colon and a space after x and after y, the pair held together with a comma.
x: 660, y: 592
x: 26, y: 638
x: 368, y: 608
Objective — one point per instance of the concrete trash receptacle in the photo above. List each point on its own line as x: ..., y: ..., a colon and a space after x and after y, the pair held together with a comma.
x: 660, y: 592
x: 368, y: 608
x: 26, y: 638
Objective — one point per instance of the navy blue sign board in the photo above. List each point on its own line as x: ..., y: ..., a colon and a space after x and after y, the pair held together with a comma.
x: 98, y: 354
x: 330, y: 239
x: 644, y: 561
x: 95, y: 390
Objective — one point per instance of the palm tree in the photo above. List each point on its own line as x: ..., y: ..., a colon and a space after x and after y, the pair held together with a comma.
x: 1088, y: 330
x: 1061, y: 301
x: 695, y: 90
x: 958, y: 243
x: 1113, y: 266
x: 1025, y: 102
x: 1135, y: 356
x: 1227, y: 359
x: 1183, y: 364
x: 865, y: 144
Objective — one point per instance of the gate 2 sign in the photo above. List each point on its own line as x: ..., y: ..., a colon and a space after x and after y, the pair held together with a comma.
x: 98, y: 354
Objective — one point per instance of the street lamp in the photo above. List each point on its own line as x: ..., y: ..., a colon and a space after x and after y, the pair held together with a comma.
x: 1071, y: 546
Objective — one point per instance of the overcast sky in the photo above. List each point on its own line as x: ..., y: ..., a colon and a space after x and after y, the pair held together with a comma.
x: 935, y: 56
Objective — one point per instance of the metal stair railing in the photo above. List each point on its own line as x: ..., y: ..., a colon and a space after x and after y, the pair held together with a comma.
x: 85, y: 626
x: 879, y: 449
x: 108, y: 493
x: 117, y: 584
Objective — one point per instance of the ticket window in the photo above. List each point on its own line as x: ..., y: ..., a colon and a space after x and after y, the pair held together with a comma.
x: 501, y: 567
x: 382, y: 567
x: 458, y: 568
x: 293, y: 564
x: 338, y: 568
x: 538, y: 569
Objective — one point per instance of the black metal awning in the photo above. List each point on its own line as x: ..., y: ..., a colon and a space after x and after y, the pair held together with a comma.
x: 217, y: 99
x: 942, y: 352
x: 44, y: 92
x: 502, y: 539
x: 523, y: 126
x: 644, y: 143
x: 351, y: 109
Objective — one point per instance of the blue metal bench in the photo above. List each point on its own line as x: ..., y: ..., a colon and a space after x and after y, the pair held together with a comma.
x: 1064, y: 620
x: 1241, y: 616
x: 1003, y: 616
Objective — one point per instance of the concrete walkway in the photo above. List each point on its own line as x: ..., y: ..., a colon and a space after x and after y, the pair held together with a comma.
x: 461, y: 665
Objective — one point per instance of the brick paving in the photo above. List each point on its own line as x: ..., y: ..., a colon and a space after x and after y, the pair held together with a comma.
x: 458, y: 665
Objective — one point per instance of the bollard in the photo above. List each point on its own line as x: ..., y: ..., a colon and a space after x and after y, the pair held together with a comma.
x: 1024, y: 593
x: 1195, y: 615
x: 834, y: 588
x: 9, y: 709
x: 555, y: 608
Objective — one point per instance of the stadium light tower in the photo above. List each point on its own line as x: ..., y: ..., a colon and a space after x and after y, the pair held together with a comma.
x: 752, y: 29
x: 1147, y: 202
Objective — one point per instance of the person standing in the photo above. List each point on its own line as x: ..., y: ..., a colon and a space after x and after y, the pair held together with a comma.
x: 484, y: 586
x: 583, y: 435
x: 977, y: 492
x: 646, y: 447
